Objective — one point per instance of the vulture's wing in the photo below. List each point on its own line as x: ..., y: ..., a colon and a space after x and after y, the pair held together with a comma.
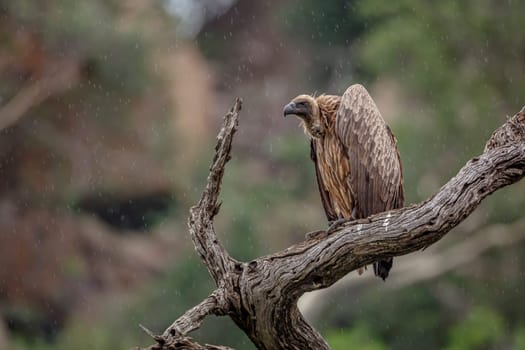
x: 325, y: 196
x: 376, y: 178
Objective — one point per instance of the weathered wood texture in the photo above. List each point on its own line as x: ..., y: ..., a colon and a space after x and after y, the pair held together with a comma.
x: 261, y: 295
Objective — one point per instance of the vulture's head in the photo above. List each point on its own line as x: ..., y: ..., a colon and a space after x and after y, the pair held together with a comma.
x: 305, y: 107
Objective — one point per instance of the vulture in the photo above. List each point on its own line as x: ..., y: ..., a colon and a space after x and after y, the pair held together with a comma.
x: 356, y: 159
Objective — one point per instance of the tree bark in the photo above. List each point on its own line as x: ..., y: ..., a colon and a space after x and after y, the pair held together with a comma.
x: 261, y: 295
x: 426, y: 266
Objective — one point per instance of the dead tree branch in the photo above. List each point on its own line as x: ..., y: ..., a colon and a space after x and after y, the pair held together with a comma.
x: 261, y: 295
x: 215, y: 257
x: 428, y: 265
x: 192, y: 319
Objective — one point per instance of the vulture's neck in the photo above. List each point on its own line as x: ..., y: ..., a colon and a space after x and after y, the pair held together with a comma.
x: 328, y: 106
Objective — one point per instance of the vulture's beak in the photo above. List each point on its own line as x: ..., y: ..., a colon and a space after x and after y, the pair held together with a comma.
x: 290, y: 108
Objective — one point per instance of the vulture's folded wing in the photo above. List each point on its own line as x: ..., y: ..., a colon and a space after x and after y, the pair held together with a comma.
x: 376, y: 177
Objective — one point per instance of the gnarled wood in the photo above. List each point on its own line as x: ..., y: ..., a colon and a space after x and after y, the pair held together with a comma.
x: 192, y: 319
x: 424, y: 267
x: 219, y: 263
x: 261, y: 295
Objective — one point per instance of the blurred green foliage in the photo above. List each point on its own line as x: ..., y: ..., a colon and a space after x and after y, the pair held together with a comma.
x: 330, y: 24
x: 519, y: 339
x: 455, y: 314
x: 114, y: 59
x: 357, y: 337
x: 482, y: 328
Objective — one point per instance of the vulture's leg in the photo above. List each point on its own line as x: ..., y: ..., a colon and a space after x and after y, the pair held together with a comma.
x: 354, y: 213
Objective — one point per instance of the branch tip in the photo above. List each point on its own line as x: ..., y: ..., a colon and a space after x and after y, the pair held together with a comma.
x: 159, y: 339
x: 238, y: 105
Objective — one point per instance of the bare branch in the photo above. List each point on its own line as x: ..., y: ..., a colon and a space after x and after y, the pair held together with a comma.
x: 215, y: 257
x: 200, y: 223
x: 509, y: 133
x: 182, y: 343
x: 175, y: 336
x: 192, y: 319
x: 426, y: 266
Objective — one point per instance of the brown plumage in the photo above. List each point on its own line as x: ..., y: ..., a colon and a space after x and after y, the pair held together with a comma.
x: 356, y: 159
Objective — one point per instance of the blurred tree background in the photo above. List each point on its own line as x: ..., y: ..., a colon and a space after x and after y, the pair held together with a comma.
x: 108, y: 110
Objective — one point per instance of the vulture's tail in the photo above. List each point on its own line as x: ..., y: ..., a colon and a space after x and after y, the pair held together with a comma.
x: 382, y: 267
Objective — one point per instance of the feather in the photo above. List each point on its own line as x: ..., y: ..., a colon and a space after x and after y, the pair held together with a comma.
x: 376, y: 175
